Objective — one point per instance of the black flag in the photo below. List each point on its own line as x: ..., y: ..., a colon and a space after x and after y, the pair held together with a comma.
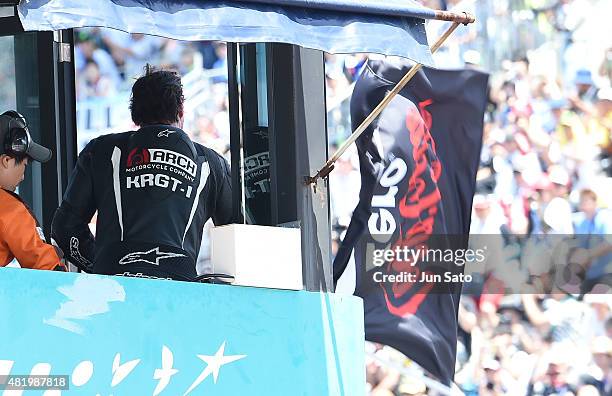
x: 418, y: 163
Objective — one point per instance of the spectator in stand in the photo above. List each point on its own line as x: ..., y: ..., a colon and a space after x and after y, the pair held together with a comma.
x: 600, y: 127
x: 353, y: 64
x: 554, y: 382
x: 487, y: 219
x: 207, y: 49
x: 593, y: 227
x: 570, y: 136
x: 94, y: 84
x: 600, y: 375
x: 491, y: 384
x: 605, y: 69
x: 170, y: 55
x: 563, y: 318
x: 586, y: 91
x: 558, y: 212
x: 221, y: 62
x: 131, y: 52
x: 87, y: 50
x: 601, y: 309
x: 188, y: 61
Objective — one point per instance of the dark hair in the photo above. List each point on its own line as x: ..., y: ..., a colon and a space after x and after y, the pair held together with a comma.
x: 91, y: 62
x: 588, y: 194
x: 157, y: 97
x: 18, y: 158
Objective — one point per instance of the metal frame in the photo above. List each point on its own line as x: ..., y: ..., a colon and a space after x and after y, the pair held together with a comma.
x: 53, y: 115
x: 11, y: 24
x: 297, y: 143
x: 283, y: 150
x: 233, y: 93
x: 254, y: 138
x: 66, y: 131
x: 310, y: 123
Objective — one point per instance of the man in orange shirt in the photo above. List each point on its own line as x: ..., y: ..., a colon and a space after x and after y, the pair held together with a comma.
x: 20, y: 236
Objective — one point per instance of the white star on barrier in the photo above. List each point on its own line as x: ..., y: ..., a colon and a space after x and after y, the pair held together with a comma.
x: 213, y: 364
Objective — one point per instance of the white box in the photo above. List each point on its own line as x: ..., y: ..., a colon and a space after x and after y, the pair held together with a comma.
x: 258, y: 256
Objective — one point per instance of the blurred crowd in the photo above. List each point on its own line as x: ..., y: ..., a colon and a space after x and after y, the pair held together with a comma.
x: 546, y: 169
x: 529, y: 345
x: 108, y: 61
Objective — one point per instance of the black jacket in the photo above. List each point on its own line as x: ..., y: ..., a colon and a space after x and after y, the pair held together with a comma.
x: 153, y: 190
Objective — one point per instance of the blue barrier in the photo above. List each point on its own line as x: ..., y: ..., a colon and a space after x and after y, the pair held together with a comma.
x: 123, y: 336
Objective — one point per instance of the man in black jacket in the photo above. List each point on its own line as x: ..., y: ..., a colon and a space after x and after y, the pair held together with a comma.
x: 153, y: 190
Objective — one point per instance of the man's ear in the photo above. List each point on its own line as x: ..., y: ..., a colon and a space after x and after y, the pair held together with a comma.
x: 181, y: 117
x: 5, y: 161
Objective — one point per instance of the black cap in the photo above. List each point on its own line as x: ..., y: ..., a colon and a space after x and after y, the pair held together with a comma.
x: 12, y: 119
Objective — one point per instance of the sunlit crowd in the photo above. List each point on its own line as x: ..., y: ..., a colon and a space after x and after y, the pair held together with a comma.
x: 545, y: 171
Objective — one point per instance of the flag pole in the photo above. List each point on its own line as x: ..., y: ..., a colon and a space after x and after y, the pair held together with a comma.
x: 329, y: 165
